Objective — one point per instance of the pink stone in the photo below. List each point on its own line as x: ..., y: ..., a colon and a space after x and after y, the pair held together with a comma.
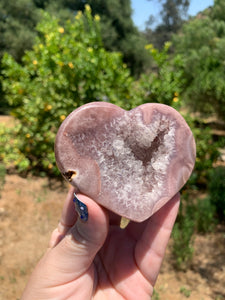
x: 131, y: 162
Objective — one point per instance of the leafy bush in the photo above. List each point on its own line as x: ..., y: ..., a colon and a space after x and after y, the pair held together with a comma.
x: 205, y: 213
x: 217, y: 191
x: 10, y: 144
x: 195, y: 216
x: 183, y: 242
x: 67, y: 67
x: 198, y: 216
x: 201, y: 44
x: 206, y: 153
x: 165, y: 83
x: 183, y: 233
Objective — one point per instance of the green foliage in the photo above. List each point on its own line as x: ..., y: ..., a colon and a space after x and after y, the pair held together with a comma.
x: 118, y: 30
x: 183, y: 234
x: 183, y: 242
x: 218, y: 10
x: 164, y: 84
x: 17, y: 23
x: 195, y: 216
x: 173, y: 12
x: 206, y: 153
x: 10, y: 145
x: 217, y: 191
x: 17, y: 30
x: 201, y: 44
x: 205, y: 213
x: 2, y: 173
x: 18, y: 20
x: 67, y: 67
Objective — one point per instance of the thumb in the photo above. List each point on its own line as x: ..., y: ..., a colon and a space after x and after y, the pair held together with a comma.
x: 74, y: 254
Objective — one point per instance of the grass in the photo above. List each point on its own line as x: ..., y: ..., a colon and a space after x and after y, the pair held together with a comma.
x: 186, y: 292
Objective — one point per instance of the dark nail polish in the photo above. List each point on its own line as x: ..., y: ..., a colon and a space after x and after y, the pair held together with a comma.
x: 81, y: 209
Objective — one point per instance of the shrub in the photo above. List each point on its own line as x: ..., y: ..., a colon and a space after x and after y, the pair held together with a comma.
x: 10, y: 144
x: 183, y: 242
x: 164, y: 83
x: 183, y: 233
x: 217, y: 191
x: 205, y: 213
x: 206, y: 153
x: 67, y: 67
x: 201, y: 44
x: 194, y: 216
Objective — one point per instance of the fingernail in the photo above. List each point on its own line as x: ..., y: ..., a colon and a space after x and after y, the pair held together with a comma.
x: 81, y: 209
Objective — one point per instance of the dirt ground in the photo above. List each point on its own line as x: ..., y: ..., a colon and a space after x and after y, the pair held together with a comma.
x: 30, y: 210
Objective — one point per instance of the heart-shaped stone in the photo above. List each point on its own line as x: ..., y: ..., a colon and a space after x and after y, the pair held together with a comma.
x: 131, y: 162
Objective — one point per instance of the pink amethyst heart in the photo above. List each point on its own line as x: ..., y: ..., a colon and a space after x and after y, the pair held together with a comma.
x: 131, y: 162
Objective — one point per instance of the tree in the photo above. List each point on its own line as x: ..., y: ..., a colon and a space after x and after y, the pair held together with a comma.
x: 17, y: 29
x: 18, y: 20
x: 201, y: 43
x: 173, y: 13
x: 66, y: 68
x: 164, y: 84
x: 118, y: 30
x: 56, y: 8
x: 17, y: 26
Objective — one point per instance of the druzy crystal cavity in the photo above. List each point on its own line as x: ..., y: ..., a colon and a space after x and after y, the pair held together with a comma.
x: 131, y: 162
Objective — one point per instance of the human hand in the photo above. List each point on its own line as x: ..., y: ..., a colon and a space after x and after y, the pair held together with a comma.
x: 99, y: 260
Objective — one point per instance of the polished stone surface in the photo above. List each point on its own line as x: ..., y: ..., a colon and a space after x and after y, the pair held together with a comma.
x: 131, y: 162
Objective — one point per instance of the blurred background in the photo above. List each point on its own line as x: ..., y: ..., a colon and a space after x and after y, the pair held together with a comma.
x: 58, y: 55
